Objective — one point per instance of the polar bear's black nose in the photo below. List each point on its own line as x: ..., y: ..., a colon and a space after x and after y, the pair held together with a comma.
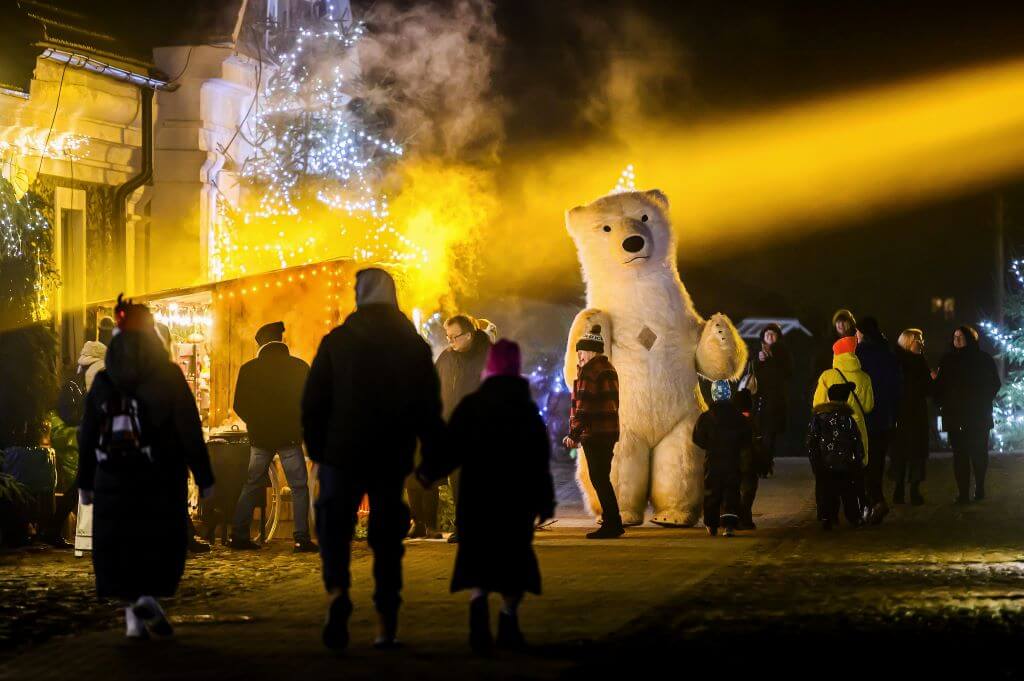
x: 633, y: 244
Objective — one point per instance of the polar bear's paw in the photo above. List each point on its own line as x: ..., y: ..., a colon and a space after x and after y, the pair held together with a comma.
x: 675, y: 518
x: 630, y: 519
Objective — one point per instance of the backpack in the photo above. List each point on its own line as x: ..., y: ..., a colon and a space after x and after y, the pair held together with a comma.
x: 840, y: 455
x: 71, y: 402
x: 122, y: 442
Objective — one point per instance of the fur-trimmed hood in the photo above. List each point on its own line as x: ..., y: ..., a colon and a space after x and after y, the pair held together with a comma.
x: 92, y: 352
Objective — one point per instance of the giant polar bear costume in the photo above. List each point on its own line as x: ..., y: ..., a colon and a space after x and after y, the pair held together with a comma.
x: 658, y: 343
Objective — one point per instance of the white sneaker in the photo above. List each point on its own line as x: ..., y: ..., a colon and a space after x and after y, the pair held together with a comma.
x: 149, y: 611
x: 134, y: 627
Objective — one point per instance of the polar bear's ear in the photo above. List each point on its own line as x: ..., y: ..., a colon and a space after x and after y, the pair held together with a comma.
x: 570, y: 217
x: 658, y: 197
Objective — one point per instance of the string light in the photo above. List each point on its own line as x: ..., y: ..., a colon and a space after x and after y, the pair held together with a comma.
x: 1008, y: 409
x: 626, y: 182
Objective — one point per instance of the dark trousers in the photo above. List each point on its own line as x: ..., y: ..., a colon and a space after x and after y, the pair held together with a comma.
x: 874, y: 472
x: 748, y: 492
x: 336, y: 514
x: 970, y: 452
x: 422, y: 502
x: 453, y: 485
x: 832, y: 489
x: 721, y: 499
x: 599, y: 452
x: 904, y: 471
x: 769, y: 443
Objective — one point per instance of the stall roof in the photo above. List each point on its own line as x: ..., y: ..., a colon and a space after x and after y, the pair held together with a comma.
x: 185, y: 293
x: 750, y: 328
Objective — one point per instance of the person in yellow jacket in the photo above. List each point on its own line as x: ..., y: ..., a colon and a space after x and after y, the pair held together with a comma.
x: 846, y: 369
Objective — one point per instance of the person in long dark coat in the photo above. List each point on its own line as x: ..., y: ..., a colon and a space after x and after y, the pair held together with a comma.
x: 372, y: 393
x: 506, y: 488
x: 773, y: 368
x: 140, y: 516
x: 910, y: 439
x: 966, y: 383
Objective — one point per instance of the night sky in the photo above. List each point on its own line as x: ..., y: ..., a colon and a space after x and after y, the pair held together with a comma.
x: 736, y: 58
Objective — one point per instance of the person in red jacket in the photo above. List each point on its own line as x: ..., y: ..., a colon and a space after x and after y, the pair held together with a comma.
x: 594, y: 425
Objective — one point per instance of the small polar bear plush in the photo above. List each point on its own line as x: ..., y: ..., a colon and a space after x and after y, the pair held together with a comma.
x: 658, y: 344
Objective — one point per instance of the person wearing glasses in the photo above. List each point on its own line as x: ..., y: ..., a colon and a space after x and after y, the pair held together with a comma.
x: 460, y: 368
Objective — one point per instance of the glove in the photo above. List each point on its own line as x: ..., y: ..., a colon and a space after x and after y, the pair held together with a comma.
x: 85, y: 497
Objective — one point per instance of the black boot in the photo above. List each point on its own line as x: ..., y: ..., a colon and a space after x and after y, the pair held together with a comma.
x: 510, y: 637
x: 480, y: 626
x: 606, y: 532
x: 335, y: 634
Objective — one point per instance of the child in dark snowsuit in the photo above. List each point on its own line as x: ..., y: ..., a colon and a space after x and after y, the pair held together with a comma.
x: 723, y: 432
x: 836, y: 452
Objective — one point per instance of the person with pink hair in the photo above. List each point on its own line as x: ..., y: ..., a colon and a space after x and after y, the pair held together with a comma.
x: 506, y: 487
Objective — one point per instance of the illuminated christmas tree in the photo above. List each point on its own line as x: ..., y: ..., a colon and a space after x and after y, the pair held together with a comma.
x: 1008, y: 411
x: 316, y: 167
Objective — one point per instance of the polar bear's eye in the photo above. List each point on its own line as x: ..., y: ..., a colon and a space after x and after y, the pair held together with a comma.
x: 643, y: 218
x: 607, y: 228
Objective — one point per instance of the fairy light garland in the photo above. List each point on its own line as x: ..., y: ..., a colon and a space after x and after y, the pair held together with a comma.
x: 626, y: 182
x: 1008, y: 409
x: 311, y: 149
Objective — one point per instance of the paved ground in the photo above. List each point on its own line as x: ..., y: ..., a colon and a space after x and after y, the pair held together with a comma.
x: 935, y: 588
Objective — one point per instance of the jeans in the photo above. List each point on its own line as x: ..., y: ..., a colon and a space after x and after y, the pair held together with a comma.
x: 294, y: 464
x: 336, y: 515
x: 970, y: 453
x: 599, y: 452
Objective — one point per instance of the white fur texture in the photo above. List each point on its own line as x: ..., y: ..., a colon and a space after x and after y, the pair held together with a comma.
x: 629, y: 290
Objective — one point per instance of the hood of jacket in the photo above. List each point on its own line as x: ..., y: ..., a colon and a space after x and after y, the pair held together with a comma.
x: 832, y: 407
x: 374, y: 286
x: 133, y: 358
x: 92, y: 352
x: 846, y: 362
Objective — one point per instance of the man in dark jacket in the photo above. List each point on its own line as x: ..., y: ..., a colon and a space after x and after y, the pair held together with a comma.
x: 594, y: 425
x: 879, y: 362
x: 372, y: 393
x: 459, y: 368
x: 268, y: 396
x: 723, y: 432
x: 966, y: 383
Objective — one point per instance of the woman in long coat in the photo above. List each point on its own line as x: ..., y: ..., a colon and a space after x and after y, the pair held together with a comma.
x: 910, y: 439
x: 966, y: 384
x: 134, y: 472
x: 498, y: 437
x: 773, y: 368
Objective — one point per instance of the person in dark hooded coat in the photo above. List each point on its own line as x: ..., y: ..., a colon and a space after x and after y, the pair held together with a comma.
x: 723, y: 432
x: 139, y: 493
x: 506, y: 488
x: 880, y: 364
x: 966, y: 383
x: 372, y: 392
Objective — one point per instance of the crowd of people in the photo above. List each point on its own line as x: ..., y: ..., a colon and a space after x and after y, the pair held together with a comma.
x: 382, y: 418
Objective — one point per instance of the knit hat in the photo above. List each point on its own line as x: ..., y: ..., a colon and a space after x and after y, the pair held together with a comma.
x: 844, y: 345
x: 503, y: 359
x: 131, y: 316
x: 269, y: 333
x: 593, y: 341
x: 840, y: 392
x: 721, y: 391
